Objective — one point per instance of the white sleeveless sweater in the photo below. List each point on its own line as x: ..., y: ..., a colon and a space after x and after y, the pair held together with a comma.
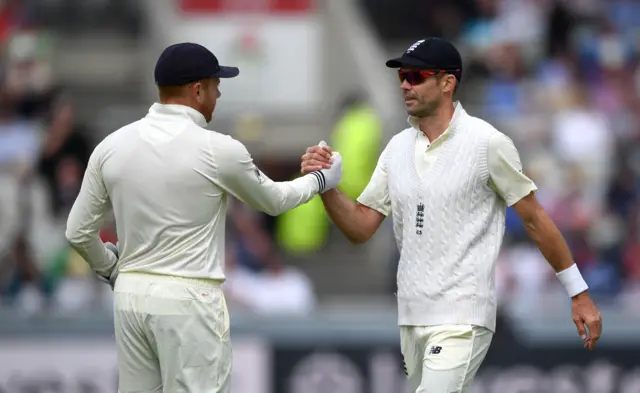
x: 449, y: 225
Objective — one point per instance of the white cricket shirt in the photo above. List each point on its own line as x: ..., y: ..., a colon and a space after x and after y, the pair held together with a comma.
x: 448, y: 200
x: 168, y: 180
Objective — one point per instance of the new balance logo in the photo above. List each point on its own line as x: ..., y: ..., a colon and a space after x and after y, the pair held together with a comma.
x: 435, y: 350
x: 419, y: 218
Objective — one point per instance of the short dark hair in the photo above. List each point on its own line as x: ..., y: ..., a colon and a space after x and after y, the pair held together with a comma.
x: 166, y: 92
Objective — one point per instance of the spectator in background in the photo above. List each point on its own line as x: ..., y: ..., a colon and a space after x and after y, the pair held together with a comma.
x: 582, y: 137
x: 19, y: 142
x: 256, y: 278
x: 11, y: 17
x: 505, y: 95
x: 64, y: 157
x: 29, y: 75
x: 23, y: 285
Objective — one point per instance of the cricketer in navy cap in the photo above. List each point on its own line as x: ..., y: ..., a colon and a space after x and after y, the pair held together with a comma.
x: 189, y: 74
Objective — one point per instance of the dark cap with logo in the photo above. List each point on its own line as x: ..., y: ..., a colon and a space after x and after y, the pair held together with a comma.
x: 185, y: 63
x: 431, y: 53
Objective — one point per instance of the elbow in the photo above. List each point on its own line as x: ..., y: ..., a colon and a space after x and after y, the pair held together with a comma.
x: 273, y: 211
x: 72, y: 238
x: 358, y: 238
x: 356, y: 241
x: 75, y: 237
x: 274, y: 208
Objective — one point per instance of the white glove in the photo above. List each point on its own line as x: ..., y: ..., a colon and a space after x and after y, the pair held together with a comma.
x: 113, y: 275
x: 329, y: 178
x: 112, y: 247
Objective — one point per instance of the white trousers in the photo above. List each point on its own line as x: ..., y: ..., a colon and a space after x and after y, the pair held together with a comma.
x: 443, y: 358
x: 172, y: 335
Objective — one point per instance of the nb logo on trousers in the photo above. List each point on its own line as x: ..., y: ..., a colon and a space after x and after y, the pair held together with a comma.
x: 435, y: 350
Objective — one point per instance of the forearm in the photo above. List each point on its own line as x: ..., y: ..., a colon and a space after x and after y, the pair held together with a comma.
x: 549, y: 240
x: 349, y: 216
x: 275, y: 198
x: 93, y: 251
x: 82, y: 233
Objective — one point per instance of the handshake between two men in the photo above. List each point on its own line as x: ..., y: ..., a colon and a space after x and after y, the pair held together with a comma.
x: 319, y: 160
x: 322, y: 159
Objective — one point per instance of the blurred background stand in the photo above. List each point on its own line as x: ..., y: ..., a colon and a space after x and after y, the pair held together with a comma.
x: 311, y: 312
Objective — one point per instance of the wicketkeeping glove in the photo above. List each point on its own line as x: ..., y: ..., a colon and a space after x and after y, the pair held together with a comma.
x: 113, y: 275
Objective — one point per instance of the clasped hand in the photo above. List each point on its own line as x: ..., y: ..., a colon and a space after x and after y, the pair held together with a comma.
x: 321, y: 158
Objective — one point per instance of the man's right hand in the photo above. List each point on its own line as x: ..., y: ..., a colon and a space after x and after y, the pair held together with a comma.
x: 316, y: 158
x: 326, y: 164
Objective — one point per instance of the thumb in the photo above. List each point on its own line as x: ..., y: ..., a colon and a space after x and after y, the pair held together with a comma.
x: 582, y: 331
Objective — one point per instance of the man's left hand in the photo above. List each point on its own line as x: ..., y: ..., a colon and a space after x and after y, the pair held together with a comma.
x: 585, y: 313
x: 113, y: 275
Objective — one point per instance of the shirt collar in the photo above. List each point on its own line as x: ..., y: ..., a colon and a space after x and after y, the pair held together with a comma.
x: 458, y: 114
x: 175, y: 110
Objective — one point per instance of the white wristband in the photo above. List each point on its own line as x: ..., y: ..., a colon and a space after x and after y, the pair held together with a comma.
x: 572, y: 280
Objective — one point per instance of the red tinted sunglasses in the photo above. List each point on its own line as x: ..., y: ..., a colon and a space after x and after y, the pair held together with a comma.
x: 417, y: 77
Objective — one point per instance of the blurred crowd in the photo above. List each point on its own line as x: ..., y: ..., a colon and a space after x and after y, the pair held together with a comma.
x: 44, y: 150
x: 561, y: 78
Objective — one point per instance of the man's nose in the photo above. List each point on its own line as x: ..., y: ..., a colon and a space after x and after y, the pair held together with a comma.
x: 405, y: 85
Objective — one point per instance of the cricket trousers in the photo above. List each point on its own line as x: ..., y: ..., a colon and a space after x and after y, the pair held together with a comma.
x: 172, y: 335
x: 443, y: 358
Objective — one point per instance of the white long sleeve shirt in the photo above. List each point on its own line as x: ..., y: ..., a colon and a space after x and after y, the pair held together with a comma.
x: 168, y: 180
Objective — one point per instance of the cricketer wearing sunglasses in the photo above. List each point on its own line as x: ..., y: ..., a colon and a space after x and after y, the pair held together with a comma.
x: 447, y: 180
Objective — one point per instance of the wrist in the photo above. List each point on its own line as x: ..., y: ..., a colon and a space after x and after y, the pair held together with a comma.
x: 572, y: 281
x: 330, y: 192
x: 583, y: 294
x: 320, y: 180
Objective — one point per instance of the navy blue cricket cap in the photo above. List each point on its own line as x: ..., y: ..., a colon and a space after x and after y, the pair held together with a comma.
x: 185, y: 63
x: 432, y: 53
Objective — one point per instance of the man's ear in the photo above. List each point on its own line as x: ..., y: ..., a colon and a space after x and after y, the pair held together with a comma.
x: 450, y: 83
x: 198, y: 89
